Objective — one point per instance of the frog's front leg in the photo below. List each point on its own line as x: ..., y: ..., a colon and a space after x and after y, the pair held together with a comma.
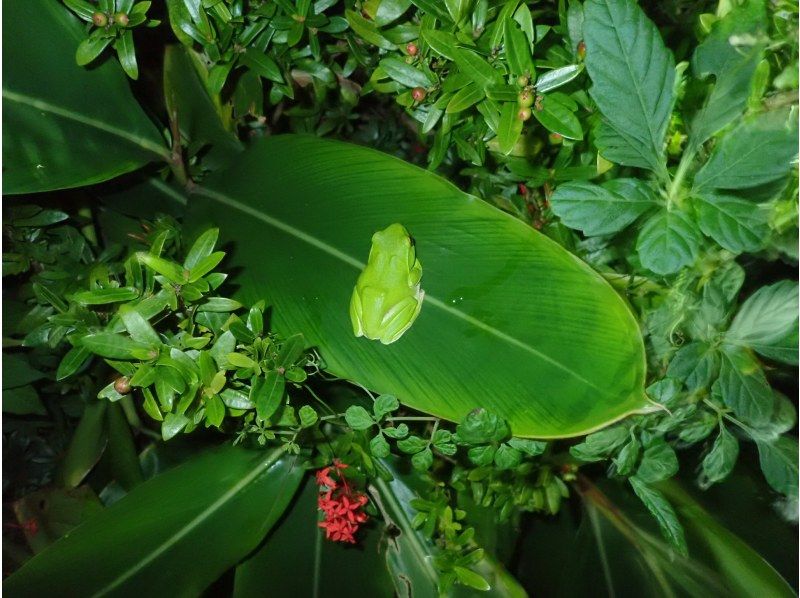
x: 400, y: 318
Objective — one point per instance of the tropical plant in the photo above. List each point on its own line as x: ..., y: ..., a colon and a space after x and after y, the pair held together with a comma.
x: 598, y: 394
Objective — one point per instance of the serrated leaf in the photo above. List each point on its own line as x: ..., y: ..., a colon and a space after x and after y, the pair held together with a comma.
x: 719, y: 462
x: 632, y: 76
x: 696, y: 364
x: 668, y: 241
x: 671, y: 528
x: 659, y: 462
x: 744, y: 388
x: 759, y: 150
x: 597, y: 210
x: 779, y: 463
x: 598, y: 445
x: 736, y: 224
x: 731, y: 65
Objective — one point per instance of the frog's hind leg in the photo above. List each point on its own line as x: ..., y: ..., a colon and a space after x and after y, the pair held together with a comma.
x: 399, y: 319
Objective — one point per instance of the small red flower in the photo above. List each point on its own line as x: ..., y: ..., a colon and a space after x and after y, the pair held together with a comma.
x: 341, y: 505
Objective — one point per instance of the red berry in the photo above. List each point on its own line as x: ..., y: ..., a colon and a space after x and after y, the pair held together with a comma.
x: 581, y: 50
x: 99, y: 19
x: 418, y: 94
x: 412, y: 49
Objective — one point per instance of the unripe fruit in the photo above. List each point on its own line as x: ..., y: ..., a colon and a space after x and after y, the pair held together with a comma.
x: 99, y: 19
x: 581, y: 50
x: 524, y: 114
x: 525, y: 98
x: 418, y: 94
x: 556, y: 138
x: 122, y: 385
x: 523, y: 80
x: 121, y: 19
x: 412, y: 49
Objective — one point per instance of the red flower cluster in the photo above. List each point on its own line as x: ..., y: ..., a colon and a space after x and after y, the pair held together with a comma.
x: 341, y: 505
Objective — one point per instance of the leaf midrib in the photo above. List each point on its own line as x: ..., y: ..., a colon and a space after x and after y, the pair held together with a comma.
x: 13, y: 96
x: 358, y: 265
x: 190, y: 526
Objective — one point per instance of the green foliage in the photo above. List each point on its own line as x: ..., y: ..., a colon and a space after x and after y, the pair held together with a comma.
x: 656, y: 144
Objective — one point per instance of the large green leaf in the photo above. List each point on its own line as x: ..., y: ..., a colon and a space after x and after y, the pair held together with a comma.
x: 613, y: 551
x: 179, y: 530
x: 745, y: 572
x: 632, y: 76
x: 65, y: 125
x: 510, y: 321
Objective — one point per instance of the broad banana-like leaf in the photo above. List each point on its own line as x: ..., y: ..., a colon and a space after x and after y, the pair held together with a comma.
x: 510, y: 322
x: 172, y: 535
x: 65, y: 125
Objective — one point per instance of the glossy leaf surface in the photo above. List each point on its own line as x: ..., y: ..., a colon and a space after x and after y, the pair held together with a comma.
x: 65, y: 125
x: 557, y: 350
x: 223, y: 501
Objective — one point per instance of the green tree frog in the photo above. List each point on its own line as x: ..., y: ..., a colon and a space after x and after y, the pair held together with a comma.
x: 387, y: 297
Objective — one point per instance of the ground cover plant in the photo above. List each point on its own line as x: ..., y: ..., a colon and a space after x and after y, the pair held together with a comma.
x: 400, y: 297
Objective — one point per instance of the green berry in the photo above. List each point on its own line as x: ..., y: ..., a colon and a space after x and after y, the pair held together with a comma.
x: 525, y: 98
x: 524, y: 114
x: 522, y: 81
x: 418, y: 94
x: 99, y: 19
x: 121, y: 19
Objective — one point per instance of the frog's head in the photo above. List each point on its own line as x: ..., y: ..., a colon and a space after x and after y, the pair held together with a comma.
x: 392, y: 238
